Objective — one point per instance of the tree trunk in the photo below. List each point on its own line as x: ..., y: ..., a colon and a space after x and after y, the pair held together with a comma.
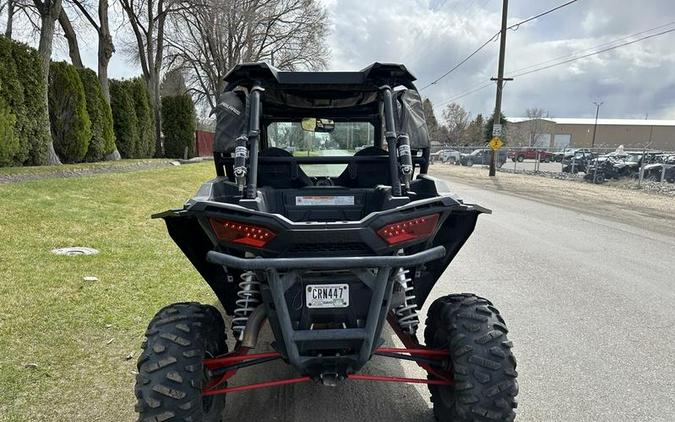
x: 10, y: 19
x: 153, y: 86
x: 105, y: 48
x: 49, y: 12
x: 71, y: 37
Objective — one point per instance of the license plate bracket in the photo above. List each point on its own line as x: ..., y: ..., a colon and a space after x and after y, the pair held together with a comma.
x: 327, y: 296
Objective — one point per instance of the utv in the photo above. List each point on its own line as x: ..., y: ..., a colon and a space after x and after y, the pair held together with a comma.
x: 325, y: 244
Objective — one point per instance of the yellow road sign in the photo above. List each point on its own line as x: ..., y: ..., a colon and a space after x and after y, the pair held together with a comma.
x: 496, y: 143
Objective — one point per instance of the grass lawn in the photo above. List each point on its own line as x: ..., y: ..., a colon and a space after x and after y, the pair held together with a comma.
x: 65, y: 342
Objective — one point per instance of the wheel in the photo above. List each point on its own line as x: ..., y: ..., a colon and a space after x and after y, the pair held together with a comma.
x: 513, y: 159
x: 469, y: 163
x: 521, y: 158
x: 170, y: 372
x: 670, y: 179
x: 482, y: 364
x: 547, y: 159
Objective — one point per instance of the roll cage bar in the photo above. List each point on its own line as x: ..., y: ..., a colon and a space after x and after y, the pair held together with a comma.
x: 377, y: 79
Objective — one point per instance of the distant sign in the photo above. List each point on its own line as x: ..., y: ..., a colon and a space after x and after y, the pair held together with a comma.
x: 496, y: 143
x: 497, y: 129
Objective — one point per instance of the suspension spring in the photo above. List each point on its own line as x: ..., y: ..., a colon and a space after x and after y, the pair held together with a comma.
x: 249, y: 298
x: 406, y: 313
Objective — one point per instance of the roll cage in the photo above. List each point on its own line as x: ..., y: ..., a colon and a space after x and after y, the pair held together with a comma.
x: 267, y: 95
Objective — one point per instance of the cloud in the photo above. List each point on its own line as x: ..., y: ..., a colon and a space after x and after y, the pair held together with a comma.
x: 432, y: 36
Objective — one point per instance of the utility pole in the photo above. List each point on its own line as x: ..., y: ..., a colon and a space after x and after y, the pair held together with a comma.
x: 595, y: 126
x: 497, y: 120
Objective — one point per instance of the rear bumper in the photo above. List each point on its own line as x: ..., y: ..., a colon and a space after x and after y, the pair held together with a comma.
x: 341, y: 262
x: 284, y: 273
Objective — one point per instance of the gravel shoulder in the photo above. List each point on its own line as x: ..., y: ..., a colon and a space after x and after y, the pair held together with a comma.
x: 646, y: 210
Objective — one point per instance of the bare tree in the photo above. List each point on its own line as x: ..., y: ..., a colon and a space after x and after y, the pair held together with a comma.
x: 474, y: 132
x: 49, y: 12
x: 534, y: 124
x: 456, y: 120
x: 10, y: 5
x: 211, y: 36
x: 148, y: 19
x: 14, y: 7
x: 106, y: 47
x: 71, y: 36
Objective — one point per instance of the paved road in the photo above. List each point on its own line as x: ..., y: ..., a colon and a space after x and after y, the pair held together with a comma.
x: 591, y: 308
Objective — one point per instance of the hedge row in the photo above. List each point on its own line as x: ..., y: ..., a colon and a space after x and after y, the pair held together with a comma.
x: 178, y: 126
x: 68, y: 116
x: 133, y: 118
x: 22, y: 96
x: 102, y: 140
x: 80, y: 122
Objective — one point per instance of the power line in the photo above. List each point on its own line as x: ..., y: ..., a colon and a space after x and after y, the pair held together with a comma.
x: 575, y: 58
x: 514, y: 27
x: 574, y: 54
x: 595, y: 52
x: 462, y: 62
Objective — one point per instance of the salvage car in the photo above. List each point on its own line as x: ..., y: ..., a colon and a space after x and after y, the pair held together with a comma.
x: 664, y: 170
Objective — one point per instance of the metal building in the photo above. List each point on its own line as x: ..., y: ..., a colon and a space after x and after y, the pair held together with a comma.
x: 557, y: 133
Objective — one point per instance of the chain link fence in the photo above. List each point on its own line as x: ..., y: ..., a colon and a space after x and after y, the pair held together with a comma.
x: 596, y: 165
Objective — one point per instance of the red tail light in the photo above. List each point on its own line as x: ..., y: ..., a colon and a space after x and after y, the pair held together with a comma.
x: 243, y: 234
x: 404, y: 231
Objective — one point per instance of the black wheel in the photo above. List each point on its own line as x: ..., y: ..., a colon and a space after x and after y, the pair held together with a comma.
x: 482, y: 364
x: 520, y: 158
x: 170, y: 371
x: 469, y: 163
x: 670, y: 179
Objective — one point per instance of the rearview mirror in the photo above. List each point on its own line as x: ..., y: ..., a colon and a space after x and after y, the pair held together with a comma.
x: 317, y: 125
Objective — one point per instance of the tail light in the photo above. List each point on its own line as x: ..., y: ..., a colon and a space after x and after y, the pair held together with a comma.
x: 243, y: 234
x: 418, y: 228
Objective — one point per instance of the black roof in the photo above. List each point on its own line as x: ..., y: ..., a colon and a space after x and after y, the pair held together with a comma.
x: 369, y: 78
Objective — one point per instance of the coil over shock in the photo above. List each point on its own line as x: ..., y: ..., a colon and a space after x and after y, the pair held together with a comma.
x: 249, y: 298
x: 406, y: 313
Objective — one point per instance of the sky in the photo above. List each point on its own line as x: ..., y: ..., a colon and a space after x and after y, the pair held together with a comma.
x: 431, y: 36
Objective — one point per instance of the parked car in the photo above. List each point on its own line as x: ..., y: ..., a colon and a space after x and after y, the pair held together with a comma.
x: 482, y: 156
x: 530, y: 154
x: 654, y: 171
x: 568, y: 153
x: 449, y: 155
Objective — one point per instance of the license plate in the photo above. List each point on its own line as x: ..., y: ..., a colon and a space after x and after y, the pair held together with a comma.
x: 327, y: 295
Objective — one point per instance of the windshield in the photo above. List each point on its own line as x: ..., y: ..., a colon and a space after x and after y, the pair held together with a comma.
x: 346, y: 139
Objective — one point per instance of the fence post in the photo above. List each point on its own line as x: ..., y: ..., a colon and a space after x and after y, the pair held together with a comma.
x: 642, y: 167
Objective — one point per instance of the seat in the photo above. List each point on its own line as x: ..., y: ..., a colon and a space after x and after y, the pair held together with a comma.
x: 281, y: 175
x: 366, y: 174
